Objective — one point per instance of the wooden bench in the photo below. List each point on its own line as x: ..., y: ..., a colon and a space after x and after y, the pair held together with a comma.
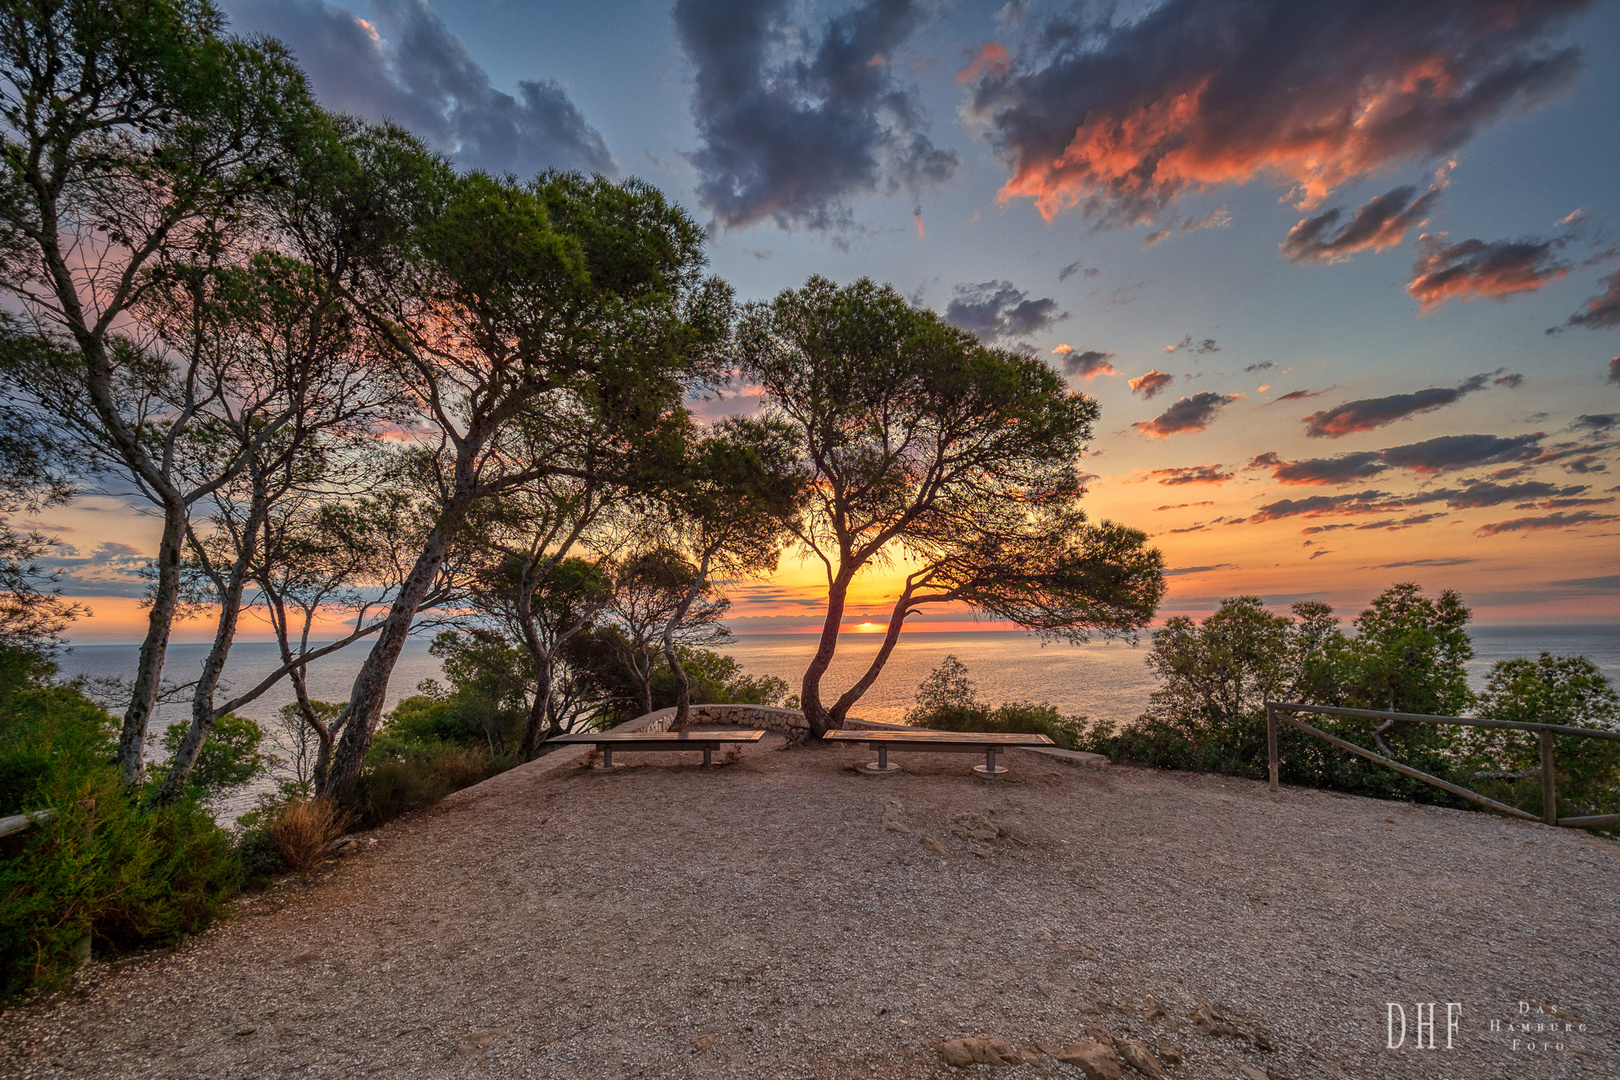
x: 645, y: 741
x: 962, y: 742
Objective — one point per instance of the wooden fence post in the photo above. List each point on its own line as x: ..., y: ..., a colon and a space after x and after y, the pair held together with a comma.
x: 1271, y: 742
x: 1549, y: 781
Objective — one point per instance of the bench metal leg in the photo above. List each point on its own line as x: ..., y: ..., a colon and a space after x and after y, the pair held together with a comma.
x: 883, y: 757
x: 607, y: 757
x: 707, y: 760
x: 989, y: 767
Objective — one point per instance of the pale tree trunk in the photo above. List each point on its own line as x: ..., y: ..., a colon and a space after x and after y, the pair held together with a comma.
x: 816, y: 716
x: 363, y: 713
x: 149, y: 665
x: 203, y: 713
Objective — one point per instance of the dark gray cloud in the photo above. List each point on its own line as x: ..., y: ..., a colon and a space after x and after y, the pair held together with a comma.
x: 112, y: 569
x: 1601, y: 312
x: 794, y: 138
x: 1000, y: 313
x: 1451, y: 452
x: 1550, y: 521
x: 1265, y: 365
x: 1191, y: 474
x: 1119, y: 114
x: 1446, y: 453
x: 1472, y: 496
x: 1371, y: 413
x: 1598, y: 423
x: 1420, y: 562
x: 1614, y: 370
x: 1187, y: 415
x: 1479, y: 269
x: 1344, y: 469
x: 407, y: 67
x: 1187, y: 344
x: 1380, y: 223
x: 1076, y: 268
x: 1512, y: 380
x: 1086, y: 363
x: 1198, y: 569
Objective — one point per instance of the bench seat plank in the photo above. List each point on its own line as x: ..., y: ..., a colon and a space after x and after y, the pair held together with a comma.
x: 662, y: 740
x: 940, y: 740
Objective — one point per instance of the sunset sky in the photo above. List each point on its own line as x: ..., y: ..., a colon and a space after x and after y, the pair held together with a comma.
x: 1344, y: 277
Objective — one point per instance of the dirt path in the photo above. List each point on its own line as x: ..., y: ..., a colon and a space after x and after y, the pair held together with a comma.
x: 785, y: 916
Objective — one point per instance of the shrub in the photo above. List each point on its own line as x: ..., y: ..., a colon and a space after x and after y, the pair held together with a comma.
x: 945, y: 700
x: 107, y: 867
x: 401, y: 777
x: 229, y: 756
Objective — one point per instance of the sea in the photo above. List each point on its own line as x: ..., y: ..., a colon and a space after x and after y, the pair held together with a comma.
x: 1103, y: 680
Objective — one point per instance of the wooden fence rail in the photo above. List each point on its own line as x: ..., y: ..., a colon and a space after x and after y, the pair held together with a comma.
x: 1279, y: 711
x: 18, y: 822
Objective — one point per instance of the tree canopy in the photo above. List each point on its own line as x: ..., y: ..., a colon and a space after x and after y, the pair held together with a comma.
x: 925, y: 447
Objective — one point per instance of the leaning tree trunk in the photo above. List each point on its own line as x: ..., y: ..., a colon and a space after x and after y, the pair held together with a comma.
x: 897, y: 620
x: 363, y: 713
x: 816, y: 716
x: 149, y: 666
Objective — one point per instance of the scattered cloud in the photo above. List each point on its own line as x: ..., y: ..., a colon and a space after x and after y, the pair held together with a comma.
x: 1551, y: 521
x: 991, y: 59
x: 1179, y: 571
x: 1191, y: 474
x: 1120, y: 117
x: 1344, y: 469
x: 1077, y: 268
x: 1476, y: 269
x: 1380, y: 223
x: 793, y: 139
x: 1371, y: 413
x: 1597, y: 423
x: 1420, y: 562
x: 1264, y: 365
x: 1512, y: 380
x: 1189, y: 414
x: 1087, y: 364
x: 1614, y: 370
x: 1187, y: 344
x: 409, y: 68
x: 1448, y: 452
x: 998, y: 312
x: 1184, y: 506
x: 1150, y: 383
x: 1601, y: 311
x: 1301, y: 395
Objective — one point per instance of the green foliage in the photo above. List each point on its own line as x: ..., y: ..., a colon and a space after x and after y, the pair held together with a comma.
x: 106, y: 866
x: 411, y: 776
x: 946, y: 702
x: 229, y: 757
x: 1570, y: 690
x: 1410, y: 654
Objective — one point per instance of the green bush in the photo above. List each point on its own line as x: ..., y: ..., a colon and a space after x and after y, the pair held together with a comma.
x: 945, y: 701
x: 107, y: 867
x: 400, y: 777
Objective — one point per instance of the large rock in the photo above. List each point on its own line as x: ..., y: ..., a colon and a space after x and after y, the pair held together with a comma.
x: 1140, y: 1058
x: 961, y: 1053
x: 1093, y: 1058
x: 1214, y: 1022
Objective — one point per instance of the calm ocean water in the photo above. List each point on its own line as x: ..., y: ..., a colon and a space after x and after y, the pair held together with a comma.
x: 1102, y: 680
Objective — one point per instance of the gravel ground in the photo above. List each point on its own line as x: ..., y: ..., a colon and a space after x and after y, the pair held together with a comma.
x: 784, y: 916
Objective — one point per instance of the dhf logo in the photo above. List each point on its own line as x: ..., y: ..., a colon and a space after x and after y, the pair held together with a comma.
x: 1425, y: 1024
